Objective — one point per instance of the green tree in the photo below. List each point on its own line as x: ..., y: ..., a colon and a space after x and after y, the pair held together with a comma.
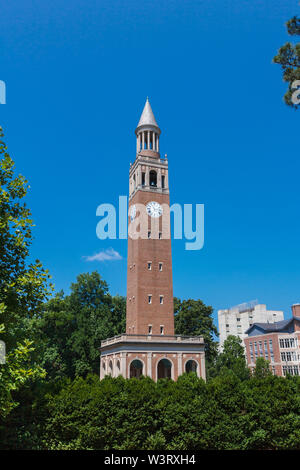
x: 189, y: 414
x: 194, y: 318
x: 232, y: 358
x: 289, y: 58
x: 72, y: 327
x: 23, y: 286
x: 262, y: 368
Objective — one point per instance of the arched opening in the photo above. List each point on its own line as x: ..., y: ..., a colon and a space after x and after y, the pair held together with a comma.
x: 136, y: 368
x: 164, y: 369
x: 191, y: 366
x: 110, y: 368
x: 118, y: 368
x: 153, y: 178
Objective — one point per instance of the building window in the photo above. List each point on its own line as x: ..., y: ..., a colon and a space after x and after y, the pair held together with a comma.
x: 160, y: 235
x: 149, y: 299
x: 271, y: 350
x: 287, y: 342
x: 266, y: 349
x: 143, y: 179
x: 163, y: 181
x: 161, y: 329
x: 150, y: 329
x: 149, y: 265
x: 149, y: 234
x: 160, y: 266
x: 161, y: 299
x: 153, y: 179
x: 251, y: 352
x: 260, y: 348
x: 255, y: 350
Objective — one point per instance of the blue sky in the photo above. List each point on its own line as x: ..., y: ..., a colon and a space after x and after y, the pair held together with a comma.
x: 77, y: 76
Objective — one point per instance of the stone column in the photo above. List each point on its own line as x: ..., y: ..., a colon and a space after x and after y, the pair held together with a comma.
x: 202, y: 361
x: 149, y: 364
x: 159, y: 178
x: 166, y: 179
x: 143, y: 140
x: 114, y: 362
x: 179, y: 357
x: 148, y: 141
x: 153, y: 142
x: 157, y: 143
x: 123, y: 365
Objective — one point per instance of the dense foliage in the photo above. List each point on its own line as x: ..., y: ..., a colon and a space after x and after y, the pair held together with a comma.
x: 225, y: 413
x: 289, y: 58
x: 70, y: 331
x: 232, y: 358
x: 23, y: 285
x: 194, y: 318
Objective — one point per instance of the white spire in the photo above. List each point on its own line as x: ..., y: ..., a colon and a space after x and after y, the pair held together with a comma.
x: 147, y: 118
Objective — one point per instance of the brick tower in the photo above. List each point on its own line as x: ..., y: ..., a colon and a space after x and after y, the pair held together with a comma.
x: 149, y: 346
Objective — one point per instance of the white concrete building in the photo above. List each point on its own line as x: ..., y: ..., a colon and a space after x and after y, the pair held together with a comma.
x: 236, y: 320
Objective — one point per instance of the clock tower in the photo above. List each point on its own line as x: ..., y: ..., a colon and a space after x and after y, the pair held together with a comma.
x: 149, y: 346
x: 149, y: 274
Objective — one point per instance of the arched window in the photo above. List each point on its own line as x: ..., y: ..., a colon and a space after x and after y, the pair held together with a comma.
x: 136, y: 368
x: 118, y: 368
x: 153, y: 178
x: 164, y: 369
x: 191, y: 366
x: 110, y: 368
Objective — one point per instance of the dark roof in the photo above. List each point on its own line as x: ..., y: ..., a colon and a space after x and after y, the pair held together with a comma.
x: 277, y: 326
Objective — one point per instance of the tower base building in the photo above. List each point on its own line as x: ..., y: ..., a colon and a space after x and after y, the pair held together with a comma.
x: 154, y: 356
x: 149, y: 347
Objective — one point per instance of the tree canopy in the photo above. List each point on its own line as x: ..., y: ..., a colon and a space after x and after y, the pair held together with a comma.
x: 23, y: 285
x: 288, y: 57
x: 194, y: 318
x: 71, y: 328
x: 231, y: 359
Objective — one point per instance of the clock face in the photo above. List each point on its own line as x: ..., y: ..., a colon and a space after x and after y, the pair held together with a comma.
x: 154, y: 209
x: 132, y: 212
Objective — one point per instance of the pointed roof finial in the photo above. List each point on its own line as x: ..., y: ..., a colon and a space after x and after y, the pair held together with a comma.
x: 147, y: 118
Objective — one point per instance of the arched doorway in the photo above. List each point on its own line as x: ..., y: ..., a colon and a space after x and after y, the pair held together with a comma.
x: 118, y: 369
x: 164, y: 369
x: 136, y: 368
x: 110, y: 368
x: 191, y: 366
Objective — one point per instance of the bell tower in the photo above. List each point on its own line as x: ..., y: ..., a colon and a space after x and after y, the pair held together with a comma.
x: 149, y: 272
x: 149, y: 346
